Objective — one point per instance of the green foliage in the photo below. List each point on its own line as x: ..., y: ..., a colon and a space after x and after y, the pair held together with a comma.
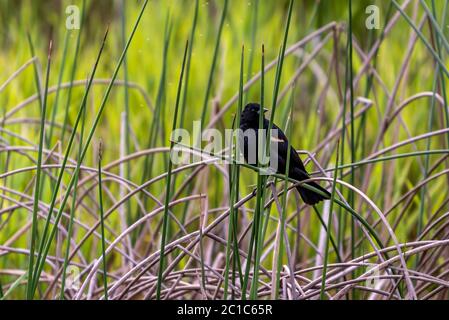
x: 391, y: 162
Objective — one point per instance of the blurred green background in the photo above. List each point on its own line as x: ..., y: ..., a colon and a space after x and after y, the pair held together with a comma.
x: 250, y: 23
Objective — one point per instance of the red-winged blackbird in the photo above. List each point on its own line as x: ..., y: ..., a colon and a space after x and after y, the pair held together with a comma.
x: 249, y: 124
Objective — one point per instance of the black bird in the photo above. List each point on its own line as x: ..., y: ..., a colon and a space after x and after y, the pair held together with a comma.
x: 250, y: 121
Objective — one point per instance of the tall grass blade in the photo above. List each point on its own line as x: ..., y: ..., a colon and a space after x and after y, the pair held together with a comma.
x: 100, y: 202
x: 168, y: 183
x: 284, y: 199
x: 58, y: 89
x: 37, y: 188
x: 152, y: 138
x: 73, y: 207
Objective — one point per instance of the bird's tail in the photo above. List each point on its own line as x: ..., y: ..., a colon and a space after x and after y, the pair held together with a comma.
x: 311, y: 197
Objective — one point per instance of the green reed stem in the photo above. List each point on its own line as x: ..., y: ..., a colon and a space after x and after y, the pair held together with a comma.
x: 168, y: 184
x: 234, y: 190
x: 103, y: 242
x: 56, y: 101
x: 73, y: 208
x: 37, y: 188
x: 259, y: 234
x: 284, y: 198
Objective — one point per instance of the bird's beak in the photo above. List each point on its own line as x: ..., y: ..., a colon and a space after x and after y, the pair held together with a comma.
x: 265, y: 110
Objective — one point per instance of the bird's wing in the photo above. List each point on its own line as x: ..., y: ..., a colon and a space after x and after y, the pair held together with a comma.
x: 282, y: 141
